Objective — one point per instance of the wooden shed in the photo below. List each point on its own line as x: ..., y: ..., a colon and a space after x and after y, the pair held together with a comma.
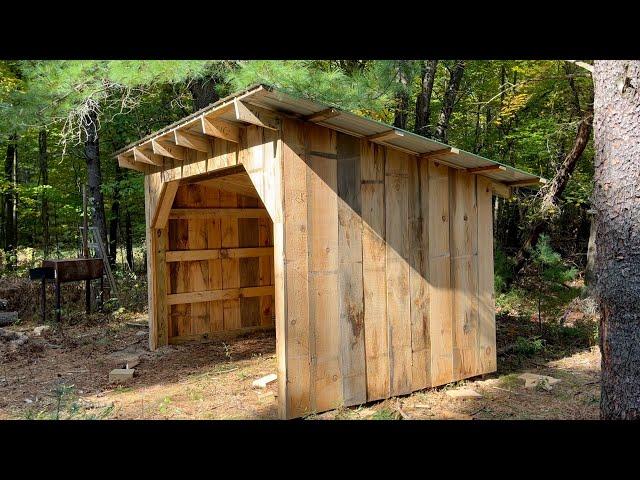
x: 369, y: 248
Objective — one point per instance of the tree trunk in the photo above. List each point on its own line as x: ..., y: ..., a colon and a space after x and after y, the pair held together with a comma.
x: 450, y: 96
x: 402, y: 96
x: 128, y: 239
x: 589, y: 271
x: 94, y: 174
x: 423, y: 102
x: 44, y: 181
x: 114, y: 222
x: 10, y: 201
x: 617, y: 205
x: 203, y: 91
x: 557, y: 186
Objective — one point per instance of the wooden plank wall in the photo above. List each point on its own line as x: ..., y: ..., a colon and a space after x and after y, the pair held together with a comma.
x: 216, y: 237
x: 397, y: 256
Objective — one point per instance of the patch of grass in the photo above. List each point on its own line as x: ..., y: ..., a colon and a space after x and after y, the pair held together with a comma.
x: 386, y: 414
x: 122, y: 389
x: 163, y: 407
x: 509, y: 381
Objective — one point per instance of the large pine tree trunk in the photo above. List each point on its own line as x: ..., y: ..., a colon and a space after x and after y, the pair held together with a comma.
x: 617, y: 205
x: 44, y: 180
x: 450, y: 97
x: 94, y: 174
x: 10, y: 201
x: 423, y: 102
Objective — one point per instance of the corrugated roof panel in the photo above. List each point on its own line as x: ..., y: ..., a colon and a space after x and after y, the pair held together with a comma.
x: 270, y: 98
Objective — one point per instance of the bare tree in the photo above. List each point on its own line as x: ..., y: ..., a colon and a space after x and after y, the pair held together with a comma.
x: 449, y: 101
x: 423, y: 102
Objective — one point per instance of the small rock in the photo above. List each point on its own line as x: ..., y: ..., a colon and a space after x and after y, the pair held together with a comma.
x: 141, y: 333
x: 262, y: 382
x: 463, y: 393
x: 41, y: 329
x: 532, y: 380
x: 121, y: 375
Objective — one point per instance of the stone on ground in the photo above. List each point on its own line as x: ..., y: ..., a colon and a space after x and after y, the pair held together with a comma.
x: 532, y: 380
x: 463, y: 393
x: 41, y: 329
x: 121, y: 375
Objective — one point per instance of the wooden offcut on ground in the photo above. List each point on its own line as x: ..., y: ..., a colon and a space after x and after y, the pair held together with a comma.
x: 369, y: 249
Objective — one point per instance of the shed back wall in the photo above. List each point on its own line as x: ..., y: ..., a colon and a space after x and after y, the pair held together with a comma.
x: 388, y: 270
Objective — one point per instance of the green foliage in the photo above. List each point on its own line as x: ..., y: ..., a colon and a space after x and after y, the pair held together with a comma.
x: 550, y: 263
x: 528, y: 347
x: 503, y: 271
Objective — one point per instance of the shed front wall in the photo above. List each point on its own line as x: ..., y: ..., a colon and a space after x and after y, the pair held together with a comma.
x: 382, y: 263
x: 388, y: 271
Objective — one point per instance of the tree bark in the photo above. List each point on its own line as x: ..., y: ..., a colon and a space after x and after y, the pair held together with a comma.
x: 402, y: 96
x: 617, y: 205
x: 423, y: 102
x: 94, y: 174
x: 450, y: 96
x: 44, y: 181
x: 114, y: 222
x: 128, y: 239
x: 10, y: 202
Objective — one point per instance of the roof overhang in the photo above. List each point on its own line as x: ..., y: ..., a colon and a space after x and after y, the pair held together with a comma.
x: 261, y: 104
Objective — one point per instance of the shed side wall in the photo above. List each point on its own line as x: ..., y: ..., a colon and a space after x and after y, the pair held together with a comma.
x: 388, y: 261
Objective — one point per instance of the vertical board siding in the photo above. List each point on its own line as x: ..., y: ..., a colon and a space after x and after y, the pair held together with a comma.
x: 440, y: 309
x: 398, y: 299
x: 419, y: 273
x: 351, y: 296
x: 230, y: 266
x: 324, y: 315
x: 374, y: 278
x: 198, y: 271
x: 486, y: 305
x: 464, y: 273
x: 296, y: 265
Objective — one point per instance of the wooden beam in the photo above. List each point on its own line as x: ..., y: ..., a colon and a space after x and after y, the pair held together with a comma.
x: 443, y: 151
x: 321, y: 115
x: 145, y: 156
x: 126, y: 161
x: 382, y: 136
x: 218, y: 334
x: 194, y: 141
x: 220, y: 129
x: 216, y: 295
x: 215, y: 254
x: 168, y: 149
x: 218, y: 213
x: 249, y: 114
x: 531, y: 181
x: 501, y: 190
x: 165, y: 202
x: 486, y: 168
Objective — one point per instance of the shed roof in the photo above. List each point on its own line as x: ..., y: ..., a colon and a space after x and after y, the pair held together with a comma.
x: 270, y: 98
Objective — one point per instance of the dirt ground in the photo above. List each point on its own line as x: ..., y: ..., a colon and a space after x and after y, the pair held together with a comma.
x: 64, y: 374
